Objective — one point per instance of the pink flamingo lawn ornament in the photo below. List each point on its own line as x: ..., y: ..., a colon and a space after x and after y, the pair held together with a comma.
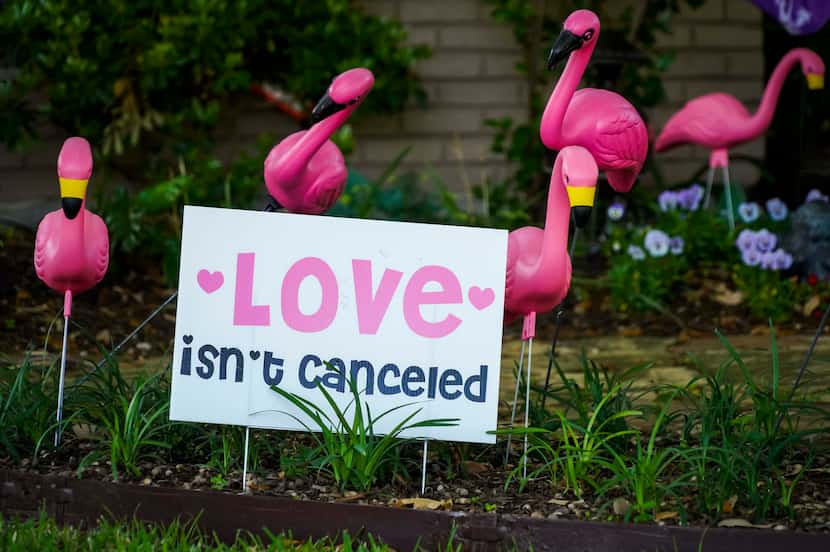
x: 72, y: 243
x: 305, y: 172
x: 719, y: 121
x: 601, y: 121
x: 538, y: 264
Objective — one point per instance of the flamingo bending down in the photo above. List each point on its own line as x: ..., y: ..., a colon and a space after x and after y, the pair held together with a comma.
x: 538, y: 265
x: 719, y: 121
x: 305, y: 172
x: 72, y: 243
x: 601, y: 121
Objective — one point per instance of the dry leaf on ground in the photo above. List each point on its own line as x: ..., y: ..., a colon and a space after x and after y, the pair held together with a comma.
x: 738, y: 522
x: 422, y: 503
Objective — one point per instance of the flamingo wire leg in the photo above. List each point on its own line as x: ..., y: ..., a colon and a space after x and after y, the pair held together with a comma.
x: 560, y: 313
x: 727, y: 189
x: 59, y: 414
x: 527, y: 406
x: 710, y: 178
x: 515, y: 400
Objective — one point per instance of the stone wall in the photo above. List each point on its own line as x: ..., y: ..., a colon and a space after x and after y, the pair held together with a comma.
x: 470, y: 77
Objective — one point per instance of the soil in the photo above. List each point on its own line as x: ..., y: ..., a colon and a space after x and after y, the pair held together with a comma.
x: 31, y: 322
x: 479, y: 487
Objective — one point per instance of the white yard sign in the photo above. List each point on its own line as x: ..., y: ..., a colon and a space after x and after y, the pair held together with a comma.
x: 413, y: 312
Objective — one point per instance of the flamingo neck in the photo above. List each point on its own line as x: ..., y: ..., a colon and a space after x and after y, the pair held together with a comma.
x: 554, y: 115
x: 763, y: 117
x: 72, y: 239
x: 557, y: 220
x: 297, y: 158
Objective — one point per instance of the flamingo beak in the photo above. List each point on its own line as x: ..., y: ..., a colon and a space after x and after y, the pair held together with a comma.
x: 815, y: 81
x: 73, y: 192
x: 325, y: 108
x: 582, y: 203
x: 565, y: 43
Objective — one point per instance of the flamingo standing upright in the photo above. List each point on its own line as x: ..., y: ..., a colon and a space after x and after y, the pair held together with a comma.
x: 305, y: 172
x: 719, y: 121
x: 603, y: 122
x: 538, y: 265
x: 72, y: 243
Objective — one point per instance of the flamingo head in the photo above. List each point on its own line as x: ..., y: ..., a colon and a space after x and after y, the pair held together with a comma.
x: 581, y: 28
x: 579, y: 173
x: 347, y: 91
x: 813, y: 68
x: 74, y: 170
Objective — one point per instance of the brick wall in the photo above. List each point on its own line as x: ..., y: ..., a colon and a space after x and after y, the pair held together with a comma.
x: 470, y: 77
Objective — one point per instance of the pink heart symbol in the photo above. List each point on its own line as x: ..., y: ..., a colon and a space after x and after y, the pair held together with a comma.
x: 210, y: 281
x: 481, y: 298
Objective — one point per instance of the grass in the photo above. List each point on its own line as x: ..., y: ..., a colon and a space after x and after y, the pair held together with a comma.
x: 725, y: 435
x: 351, y: 450
x: 44, y: 534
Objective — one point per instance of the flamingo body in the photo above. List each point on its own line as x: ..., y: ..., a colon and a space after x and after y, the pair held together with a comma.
x: 306, y: 172
x: 56, y: 260
x: 608, y: 126
x: 719, y: 121
x: 317, y: 187
x: 602, y: 121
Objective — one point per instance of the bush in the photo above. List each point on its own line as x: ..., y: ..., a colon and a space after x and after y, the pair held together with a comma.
x: 159, y: 75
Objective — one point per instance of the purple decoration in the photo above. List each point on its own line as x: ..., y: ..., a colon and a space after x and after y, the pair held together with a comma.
x: 746, y: 240
x: 765, y: 241
x: 636, y: 252
x: 676, y: 244
x: 798, y: 17
x: 777, y: 209
x: 815, y: 195
x: 749, y: 211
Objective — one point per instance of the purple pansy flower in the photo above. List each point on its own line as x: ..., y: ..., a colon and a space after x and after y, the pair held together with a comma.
x: 815, y: 195
x: 746, y: 240
x: 689, y: 198
x: 616, y: 211
x: 657, y: 243
x: 676, y: 244
x: 749, y: 211
x: 667, y: 200
x: 765, y: 240
x: 777, y: 209
x: 767, y: 260
x: 781, y: 260
x: 751, y: 257
x: 636, y: 252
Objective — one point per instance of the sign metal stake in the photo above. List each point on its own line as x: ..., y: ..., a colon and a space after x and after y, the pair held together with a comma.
x: 245, y: 462
x: 424, y: 468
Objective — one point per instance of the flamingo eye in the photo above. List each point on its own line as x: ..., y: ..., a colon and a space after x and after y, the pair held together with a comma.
x: 588, y: 35
x: 567, y: 179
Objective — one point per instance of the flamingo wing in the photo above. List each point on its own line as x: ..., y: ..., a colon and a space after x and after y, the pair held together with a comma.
x: 708, y: 121
x: 99, y: 246
x: 621, y: 142
x: 46, y: 231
